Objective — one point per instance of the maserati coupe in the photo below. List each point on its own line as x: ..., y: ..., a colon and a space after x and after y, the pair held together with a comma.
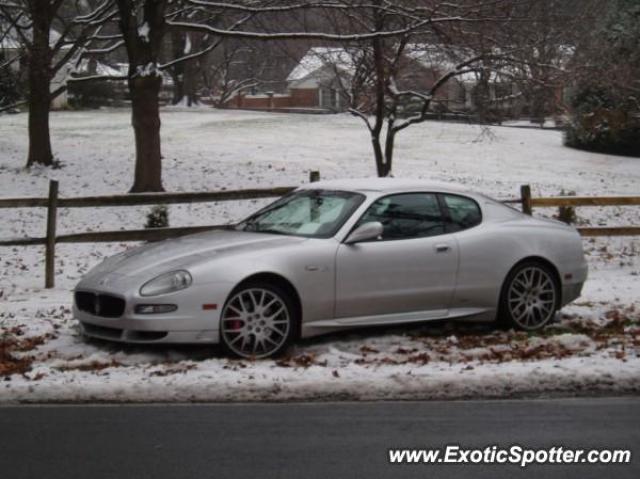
x: 336, y: 255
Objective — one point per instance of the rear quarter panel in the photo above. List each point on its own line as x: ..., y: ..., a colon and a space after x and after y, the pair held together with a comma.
x: 490, y: 251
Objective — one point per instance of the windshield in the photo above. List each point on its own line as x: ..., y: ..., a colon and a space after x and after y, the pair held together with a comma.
x: 310, y: 213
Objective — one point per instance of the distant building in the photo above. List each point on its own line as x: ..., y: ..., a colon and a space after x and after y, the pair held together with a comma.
x: 323, y: 79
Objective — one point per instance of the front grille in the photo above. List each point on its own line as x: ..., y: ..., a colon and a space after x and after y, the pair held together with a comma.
x: 99, y: 304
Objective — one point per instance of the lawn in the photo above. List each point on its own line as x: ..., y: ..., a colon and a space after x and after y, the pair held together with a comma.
x: 594, y: 347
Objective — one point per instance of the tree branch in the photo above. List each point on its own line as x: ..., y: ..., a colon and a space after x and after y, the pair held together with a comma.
x: 303, y: 35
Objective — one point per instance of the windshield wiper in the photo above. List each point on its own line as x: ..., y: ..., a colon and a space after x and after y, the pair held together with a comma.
x: 270, y: 231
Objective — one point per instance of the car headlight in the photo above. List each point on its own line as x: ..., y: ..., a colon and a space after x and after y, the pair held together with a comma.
x: 166, y: 283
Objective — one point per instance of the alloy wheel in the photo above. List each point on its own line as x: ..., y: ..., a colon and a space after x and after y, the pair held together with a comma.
x: 531, y: 297
x: 255, y: 323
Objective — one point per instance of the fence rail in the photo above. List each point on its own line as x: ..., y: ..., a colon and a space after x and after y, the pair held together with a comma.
x: 586, y: 201
x: 138, y: 199
x: 53, y: 202
x: 151, y: 234
x: 528, y: 202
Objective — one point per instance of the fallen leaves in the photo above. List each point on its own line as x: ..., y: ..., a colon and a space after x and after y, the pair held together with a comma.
x: 91, y: 366
x: 173, y: 369
x: 303, y: 360
x: 13, y: 345
x: 617, y: 329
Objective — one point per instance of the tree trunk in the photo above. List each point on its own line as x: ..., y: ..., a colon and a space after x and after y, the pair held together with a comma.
x: 178, y: 88
x: 377, y: 153
x: 144, y: 80
x: 145, y: 118
x: 388, y: 148
x: 39, y: 95
x: 39, y: 138
x: 191, y: 82
x: 380, y: 85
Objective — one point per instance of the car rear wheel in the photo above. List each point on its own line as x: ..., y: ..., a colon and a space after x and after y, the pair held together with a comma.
x: 530, y: 296
x: 257, y: 321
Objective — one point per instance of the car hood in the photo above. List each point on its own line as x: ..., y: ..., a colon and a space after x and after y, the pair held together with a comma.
x: 181, y: 252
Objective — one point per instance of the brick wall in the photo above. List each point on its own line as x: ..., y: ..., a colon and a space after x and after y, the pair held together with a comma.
x: 304, y: 98
x: 297, y: 98
x: 260, y: 102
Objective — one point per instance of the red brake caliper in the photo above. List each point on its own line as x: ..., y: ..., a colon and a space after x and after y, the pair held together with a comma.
x: 235, y: 324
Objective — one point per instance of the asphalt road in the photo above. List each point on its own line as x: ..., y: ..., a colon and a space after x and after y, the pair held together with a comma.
x: 317, y: 440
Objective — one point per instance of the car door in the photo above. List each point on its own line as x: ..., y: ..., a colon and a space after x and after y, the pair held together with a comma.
x: 411, y: 267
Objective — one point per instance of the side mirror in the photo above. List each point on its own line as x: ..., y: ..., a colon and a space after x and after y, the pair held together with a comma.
x: 364, y: 232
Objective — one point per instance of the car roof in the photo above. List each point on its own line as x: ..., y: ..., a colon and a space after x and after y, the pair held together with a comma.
x: 385, y: 185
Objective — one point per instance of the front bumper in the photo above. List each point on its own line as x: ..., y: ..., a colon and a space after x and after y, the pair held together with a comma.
x: 147, y: 330
x: 190, y: 323
x: 572, y: 289
x: 571, y: 292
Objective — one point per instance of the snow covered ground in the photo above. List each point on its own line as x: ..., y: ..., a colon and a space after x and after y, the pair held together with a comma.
x: 593, y: 348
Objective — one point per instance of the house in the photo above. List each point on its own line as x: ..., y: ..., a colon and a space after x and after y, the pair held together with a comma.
x: 326, y: 78
x: 322, y: 78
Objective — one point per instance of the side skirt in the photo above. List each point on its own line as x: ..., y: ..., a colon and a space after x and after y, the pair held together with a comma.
x: 327, y: 325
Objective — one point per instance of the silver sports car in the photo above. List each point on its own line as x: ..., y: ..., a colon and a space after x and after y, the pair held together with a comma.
x: 334, y: 255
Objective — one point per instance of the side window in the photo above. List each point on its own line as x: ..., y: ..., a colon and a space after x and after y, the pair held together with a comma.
x: 464, y: 212
x: 405, y: 216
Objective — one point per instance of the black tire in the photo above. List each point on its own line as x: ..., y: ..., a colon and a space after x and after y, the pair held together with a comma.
x: 259, y: 320
x: 530, y: 296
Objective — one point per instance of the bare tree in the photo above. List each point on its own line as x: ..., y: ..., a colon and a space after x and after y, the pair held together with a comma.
x: 544, y: 46
x: 143, y: 25
x: 31, y: 23
x: 236, y: 67
x: 383, y: 31
x: 381, y: 65
x: 385, y: 28
x: 469, y: 33
x: 143, y: 30
x: 494, y: 42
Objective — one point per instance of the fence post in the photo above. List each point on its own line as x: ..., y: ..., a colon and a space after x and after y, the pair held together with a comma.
x: 314, y: 176
x: 525, y: 194
x: 50, y: 249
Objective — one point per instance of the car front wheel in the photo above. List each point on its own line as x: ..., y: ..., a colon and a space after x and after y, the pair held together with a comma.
x: 530, y: 296
x: 257, y: 321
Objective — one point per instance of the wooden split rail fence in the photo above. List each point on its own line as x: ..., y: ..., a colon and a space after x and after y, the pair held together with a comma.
x: 53, y: 202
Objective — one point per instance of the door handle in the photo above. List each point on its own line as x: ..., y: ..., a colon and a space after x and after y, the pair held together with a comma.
x: 442, y: 248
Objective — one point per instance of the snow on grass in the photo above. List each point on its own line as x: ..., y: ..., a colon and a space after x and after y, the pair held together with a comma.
x: 594, y: 348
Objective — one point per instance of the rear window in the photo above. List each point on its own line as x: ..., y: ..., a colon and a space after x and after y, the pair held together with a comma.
x: 464, y: 212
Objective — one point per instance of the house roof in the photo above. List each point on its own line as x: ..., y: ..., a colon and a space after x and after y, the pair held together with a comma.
x: 434, y: 57
x: 318, y: 58
x: 428, y: 56
x: 441, y: 59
